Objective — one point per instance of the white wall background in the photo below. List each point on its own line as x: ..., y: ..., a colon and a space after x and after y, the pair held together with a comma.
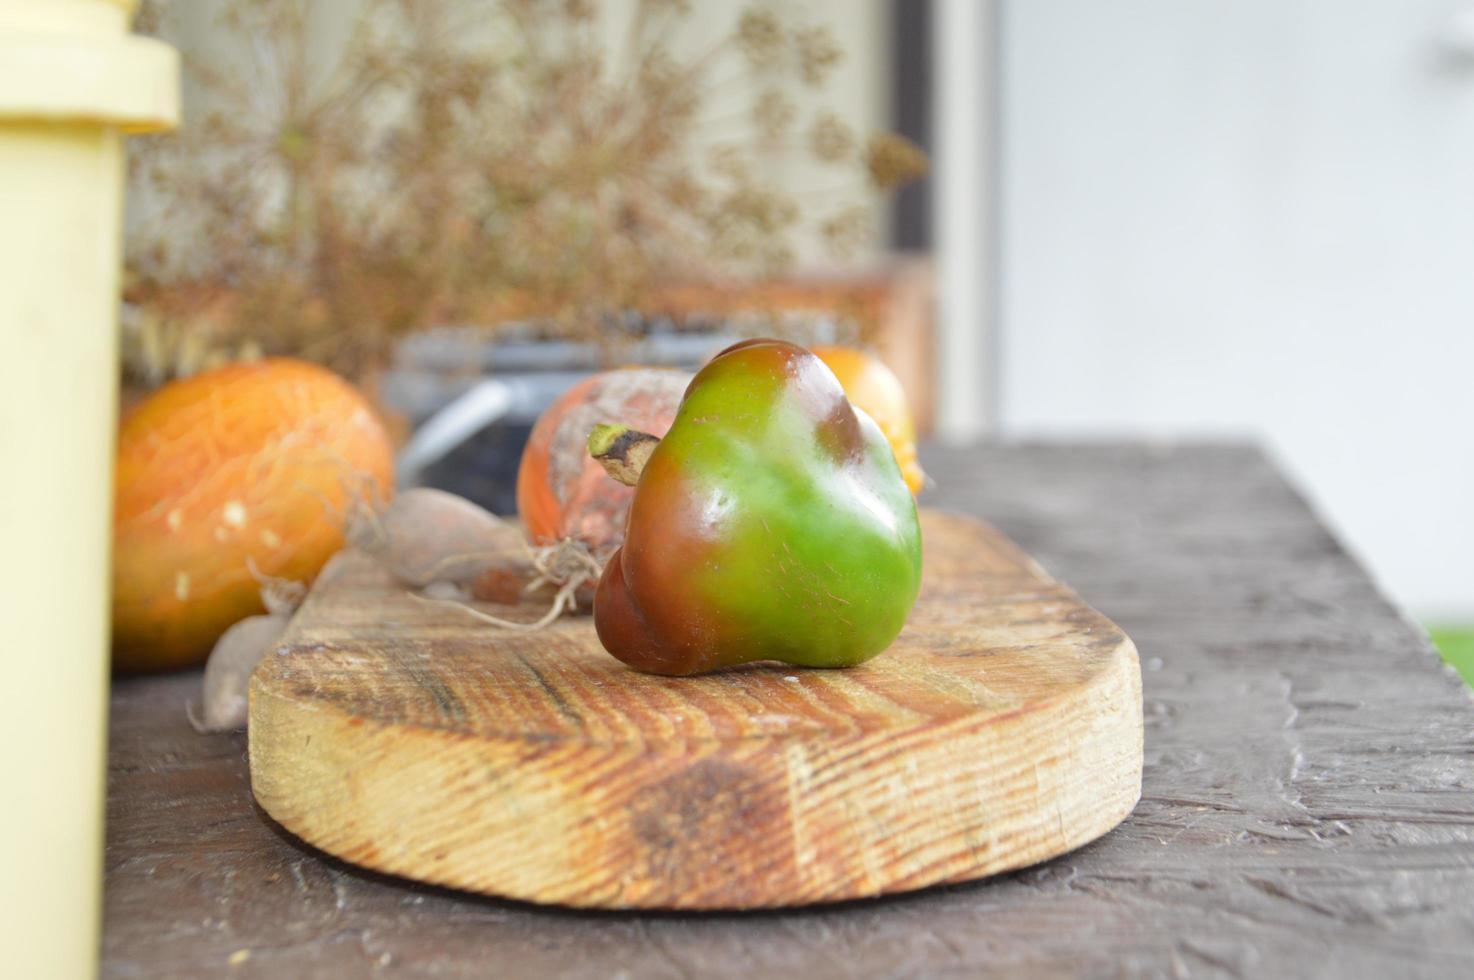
x: 1252, y: 217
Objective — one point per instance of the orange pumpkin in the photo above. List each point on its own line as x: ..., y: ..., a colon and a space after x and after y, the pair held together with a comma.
x: 249, y: 464
x: 564, y: 493
x: 873, y: 387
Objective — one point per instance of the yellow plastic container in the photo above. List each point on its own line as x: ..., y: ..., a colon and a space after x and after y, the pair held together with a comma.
x: 72, y: 82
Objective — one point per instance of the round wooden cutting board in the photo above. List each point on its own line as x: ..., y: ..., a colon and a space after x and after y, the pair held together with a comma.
x: 1004, y: 727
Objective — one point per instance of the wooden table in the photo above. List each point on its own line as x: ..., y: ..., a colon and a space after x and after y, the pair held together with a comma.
x: 1308, y: 807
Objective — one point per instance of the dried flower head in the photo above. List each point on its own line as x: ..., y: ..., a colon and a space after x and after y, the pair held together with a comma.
x: 847, y: 230
x: 817, y: 54
x: 892, y: 160
x: 760, y: 36
x: 749, y: 224
x: 730, y: 161
x: 773, y: 115
x: 830, y: 139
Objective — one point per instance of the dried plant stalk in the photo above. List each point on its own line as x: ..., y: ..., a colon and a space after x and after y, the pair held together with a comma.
x: 469, y: 162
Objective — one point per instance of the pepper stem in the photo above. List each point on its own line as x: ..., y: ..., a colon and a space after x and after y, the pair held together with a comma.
x: 623, y: 451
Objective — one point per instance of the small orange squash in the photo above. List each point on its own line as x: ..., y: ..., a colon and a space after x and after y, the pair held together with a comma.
x: 251, y: 464
x: 562, y: 492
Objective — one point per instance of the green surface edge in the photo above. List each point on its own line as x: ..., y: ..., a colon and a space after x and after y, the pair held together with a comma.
x: 1456, y: 643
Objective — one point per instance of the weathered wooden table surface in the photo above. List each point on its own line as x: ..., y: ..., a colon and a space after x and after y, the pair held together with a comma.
x: 1308, y: 807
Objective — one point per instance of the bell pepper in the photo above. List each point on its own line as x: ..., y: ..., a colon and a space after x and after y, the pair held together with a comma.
x: 771, y: 523
x: 872, y: 386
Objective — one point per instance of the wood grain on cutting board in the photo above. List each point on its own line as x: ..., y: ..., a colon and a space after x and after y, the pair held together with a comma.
x: 1003, y: 727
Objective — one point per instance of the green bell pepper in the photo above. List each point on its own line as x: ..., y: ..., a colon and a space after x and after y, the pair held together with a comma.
x: 771, y: 523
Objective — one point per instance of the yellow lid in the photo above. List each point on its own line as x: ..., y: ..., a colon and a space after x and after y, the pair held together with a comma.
x: 74, y: 60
